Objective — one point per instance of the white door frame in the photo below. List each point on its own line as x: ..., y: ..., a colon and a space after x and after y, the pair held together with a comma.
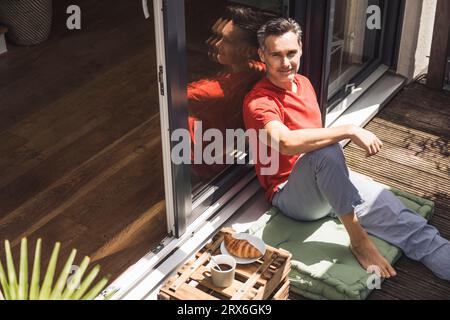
x: 164, y: 113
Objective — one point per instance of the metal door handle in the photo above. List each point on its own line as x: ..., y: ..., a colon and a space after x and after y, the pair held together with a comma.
x: 145, y: 9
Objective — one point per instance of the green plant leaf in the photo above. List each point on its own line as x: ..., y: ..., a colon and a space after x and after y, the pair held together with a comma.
x: 4, y: 283
x: 23, y: 273
x: 73, y: 290
x: 96, y: 289
x: 86, y: 283
x: 74, y: 282
x: 11, y: 271
x: 61, y: 282
x: 34, y: 287
x: 49, y: 275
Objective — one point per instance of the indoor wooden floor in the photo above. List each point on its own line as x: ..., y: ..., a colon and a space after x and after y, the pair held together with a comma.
x: 415, y: 130
x: 80, y: 152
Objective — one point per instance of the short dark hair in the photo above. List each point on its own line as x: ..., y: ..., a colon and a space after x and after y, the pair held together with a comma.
x: 278, y: 27
x: 249, y: 20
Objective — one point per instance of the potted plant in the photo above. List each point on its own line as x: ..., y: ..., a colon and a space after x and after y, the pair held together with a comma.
x: 65, y: 288
x: 29, y: 21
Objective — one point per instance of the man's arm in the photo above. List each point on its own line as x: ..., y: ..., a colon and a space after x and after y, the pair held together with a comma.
x: 296, y: 142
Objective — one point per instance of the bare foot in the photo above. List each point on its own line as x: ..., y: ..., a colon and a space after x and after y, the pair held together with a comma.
x: 368, y: 255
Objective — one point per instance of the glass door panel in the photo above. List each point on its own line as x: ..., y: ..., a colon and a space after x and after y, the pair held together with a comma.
x: 222, y: 67
x: 353, y: 46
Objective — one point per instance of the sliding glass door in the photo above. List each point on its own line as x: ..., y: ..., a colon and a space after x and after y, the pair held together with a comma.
x: 223, y: 66
x: 80, y: 132
x: 212, y: 64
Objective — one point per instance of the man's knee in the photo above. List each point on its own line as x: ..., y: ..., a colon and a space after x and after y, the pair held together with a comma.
x: 332, y: 152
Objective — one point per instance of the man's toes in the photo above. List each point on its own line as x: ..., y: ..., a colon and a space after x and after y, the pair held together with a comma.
x: 392, y: 271
x: 382, y: 272
x: 387, y: 272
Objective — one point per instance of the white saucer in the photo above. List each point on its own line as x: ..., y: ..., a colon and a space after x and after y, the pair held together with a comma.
x: 255, y: 241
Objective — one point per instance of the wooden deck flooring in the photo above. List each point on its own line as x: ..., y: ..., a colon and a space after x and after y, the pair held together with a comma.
x: 415, y: 130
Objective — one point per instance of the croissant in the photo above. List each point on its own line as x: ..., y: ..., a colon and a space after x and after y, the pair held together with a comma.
x: 241, y: 248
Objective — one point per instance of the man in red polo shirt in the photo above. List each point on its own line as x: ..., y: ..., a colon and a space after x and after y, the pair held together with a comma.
x: 313, y: 180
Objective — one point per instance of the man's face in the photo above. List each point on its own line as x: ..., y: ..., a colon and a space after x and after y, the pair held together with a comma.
x: 231, y: 47
x: 282, y: 57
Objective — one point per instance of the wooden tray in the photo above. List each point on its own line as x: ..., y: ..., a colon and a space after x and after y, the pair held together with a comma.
x: 264, y: 279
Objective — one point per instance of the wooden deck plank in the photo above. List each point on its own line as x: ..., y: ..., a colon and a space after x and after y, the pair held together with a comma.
x: 421, y: 97
x: 397, y: 181
x: 391, y: 156
x: 413, y: 179
x: 429, y: 147
x: 413, y: 106
x: 419, y: 123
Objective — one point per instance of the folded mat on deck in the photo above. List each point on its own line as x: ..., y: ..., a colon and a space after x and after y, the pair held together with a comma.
x: 323, y: 266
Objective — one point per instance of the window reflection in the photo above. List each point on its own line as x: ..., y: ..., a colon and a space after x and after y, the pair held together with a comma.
x: 353, y: 45
x: 223, y: 67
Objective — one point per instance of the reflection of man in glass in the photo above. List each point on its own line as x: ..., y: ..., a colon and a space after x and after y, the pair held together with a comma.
x: 217, y: 101
x: 234, y: 43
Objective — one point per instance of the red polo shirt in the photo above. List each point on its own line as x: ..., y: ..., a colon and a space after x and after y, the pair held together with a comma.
x: 267, y: 102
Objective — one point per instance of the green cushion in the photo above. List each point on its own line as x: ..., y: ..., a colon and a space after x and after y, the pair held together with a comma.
x: 323, y: 266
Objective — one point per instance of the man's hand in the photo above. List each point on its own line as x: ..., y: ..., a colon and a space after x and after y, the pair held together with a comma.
x: 366, y: 140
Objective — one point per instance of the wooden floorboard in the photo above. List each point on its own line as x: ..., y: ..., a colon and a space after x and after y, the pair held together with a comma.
x: 76, y: 139
x: 415, y: 130
x: 73, y: 57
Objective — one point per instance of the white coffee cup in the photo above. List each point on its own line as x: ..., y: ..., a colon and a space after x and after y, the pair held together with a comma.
x: 223, y: 278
